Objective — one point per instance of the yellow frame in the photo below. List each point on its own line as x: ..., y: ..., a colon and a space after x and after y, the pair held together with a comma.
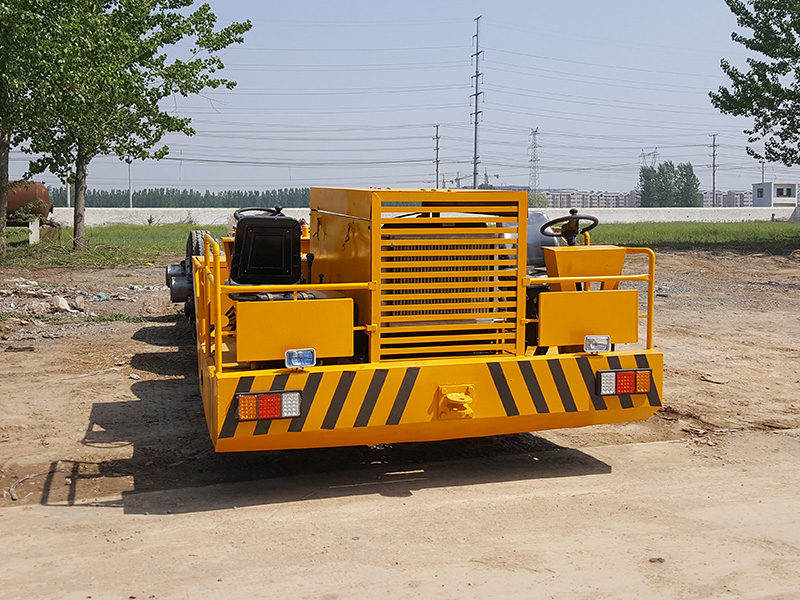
x: 416, y: 398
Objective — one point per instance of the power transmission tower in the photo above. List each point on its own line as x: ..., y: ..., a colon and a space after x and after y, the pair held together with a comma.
x: 653, y: 156
x: 476, y: 95
x: 436, y: 149
x: 713, y: 169
x: 533, y: 177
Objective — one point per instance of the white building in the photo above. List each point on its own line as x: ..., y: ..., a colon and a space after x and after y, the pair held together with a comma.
x: 774, y: 194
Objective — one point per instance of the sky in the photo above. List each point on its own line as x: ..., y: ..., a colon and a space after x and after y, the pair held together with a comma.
x: 345, y: 94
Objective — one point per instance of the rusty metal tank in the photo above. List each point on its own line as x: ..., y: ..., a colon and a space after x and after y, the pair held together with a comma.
x: 31, y: 194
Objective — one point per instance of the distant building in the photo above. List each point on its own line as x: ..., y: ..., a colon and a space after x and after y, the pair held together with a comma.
x: 729, y: 199
x: 568, y: 198
x: 774, y: 194
x: 591, y: 199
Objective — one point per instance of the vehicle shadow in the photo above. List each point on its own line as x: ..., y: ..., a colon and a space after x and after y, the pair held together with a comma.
x: 173, y: 468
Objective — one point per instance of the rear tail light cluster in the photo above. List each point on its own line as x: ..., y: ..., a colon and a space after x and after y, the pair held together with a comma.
x: 269, y: 405
x: 629, y: 381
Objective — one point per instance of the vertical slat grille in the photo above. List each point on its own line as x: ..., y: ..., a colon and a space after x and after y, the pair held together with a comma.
x: 448, y: 279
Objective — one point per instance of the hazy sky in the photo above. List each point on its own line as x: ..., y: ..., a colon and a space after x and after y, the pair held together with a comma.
x: 347, y: 94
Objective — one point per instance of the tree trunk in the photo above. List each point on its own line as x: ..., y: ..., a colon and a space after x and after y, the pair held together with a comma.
x: 79, y: 234
x: 5, y: 145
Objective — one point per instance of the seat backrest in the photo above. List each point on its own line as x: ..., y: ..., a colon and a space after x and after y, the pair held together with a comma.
x: 266, y: 250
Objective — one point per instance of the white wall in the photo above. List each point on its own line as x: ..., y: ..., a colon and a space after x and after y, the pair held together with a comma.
x: 219, y: 216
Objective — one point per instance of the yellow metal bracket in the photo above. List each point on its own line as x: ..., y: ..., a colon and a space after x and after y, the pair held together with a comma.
x: 455, y: 400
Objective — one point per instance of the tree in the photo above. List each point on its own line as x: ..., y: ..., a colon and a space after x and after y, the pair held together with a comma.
x: 667, y: 185
x: 537, y: 200
x: 687, y: 186
x: 769, y: 90
x: 19, y: 56
x: 107, y: 73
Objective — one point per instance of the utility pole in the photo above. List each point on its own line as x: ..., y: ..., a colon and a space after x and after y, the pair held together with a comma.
x: 476, y: 95
x: 713, y: 169
x: 436, y: 150
x: 533, y: 177
x: 130, y: 187
x: 762, y: 171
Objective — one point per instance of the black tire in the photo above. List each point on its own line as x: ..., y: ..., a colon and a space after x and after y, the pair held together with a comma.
x: 194, y: 245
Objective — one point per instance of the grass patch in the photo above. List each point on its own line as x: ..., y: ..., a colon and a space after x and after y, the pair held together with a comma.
x: 112, y: 245
x: 777, y: 238
x: 59, y: 319
x: 116, y: 245
x: 5, y: 316
x: 116, y: 317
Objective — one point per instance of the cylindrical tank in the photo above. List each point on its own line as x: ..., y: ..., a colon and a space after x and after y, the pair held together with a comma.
x: 32, y: 195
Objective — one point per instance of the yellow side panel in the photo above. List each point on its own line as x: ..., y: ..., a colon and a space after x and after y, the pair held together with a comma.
x: 266, y: 330
x: 565, y: 318
x: 352, y: 202
x: 341, y: 248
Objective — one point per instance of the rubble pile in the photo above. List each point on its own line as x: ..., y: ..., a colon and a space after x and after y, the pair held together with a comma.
x: 23, y: 296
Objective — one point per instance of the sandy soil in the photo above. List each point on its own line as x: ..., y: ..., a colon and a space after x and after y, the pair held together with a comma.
x: 125, y: 497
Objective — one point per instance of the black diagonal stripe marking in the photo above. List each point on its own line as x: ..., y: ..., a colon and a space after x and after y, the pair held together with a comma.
x: 533, y: 387
x: 403, y: 394
x: 229, y: 426
x: 307, y: 399
x: 374, y: 390
x: 624, y: 399
x: 562, y: 386
x: 278, y: 385
x: 652, y: 395
x: 337, y: 402
x: 591, y: 383
x: 500, y: 383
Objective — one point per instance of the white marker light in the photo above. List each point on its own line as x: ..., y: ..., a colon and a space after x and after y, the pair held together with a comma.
x: 290, y: 404
x: 596, y: 343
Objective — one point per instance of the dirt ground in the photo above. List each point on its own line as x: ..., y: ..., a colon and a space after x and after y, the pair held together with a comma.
x: 125, y: 498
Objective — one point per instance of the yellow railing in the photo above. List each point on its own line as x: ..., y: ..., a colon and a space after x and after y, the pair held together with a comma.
x: 649, y: 277
x: 211, y: 289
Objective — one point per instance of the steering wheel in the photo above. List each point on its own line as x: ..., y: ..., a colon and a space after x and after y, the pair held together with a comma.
x: 278, y: 210
x: 572, y: 229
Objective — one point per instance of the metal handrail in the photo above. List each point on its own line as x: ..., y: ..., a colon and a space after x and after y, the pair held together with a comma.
x: 212, y: 270
x: 649, y: 277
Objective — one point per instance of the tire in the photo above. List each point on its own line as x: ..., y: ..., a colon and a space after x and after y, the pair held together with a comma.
x: 195, y: 245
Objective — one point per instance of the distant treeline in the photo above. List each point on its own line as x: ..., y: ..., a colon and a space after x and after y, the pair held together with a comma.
x: 175, y: 198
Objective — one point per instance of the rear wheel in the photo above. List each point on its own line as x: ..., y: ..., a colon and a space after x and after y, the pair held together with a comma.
x: 195, y: 246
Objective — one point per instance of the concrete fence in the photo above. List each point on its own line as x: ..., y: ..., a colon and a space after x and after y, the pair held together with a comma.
x: 220, y: 216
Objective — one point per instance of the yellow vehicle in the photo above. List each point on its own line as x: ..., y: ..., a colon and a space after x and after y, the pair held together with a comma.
x: 415, y: 315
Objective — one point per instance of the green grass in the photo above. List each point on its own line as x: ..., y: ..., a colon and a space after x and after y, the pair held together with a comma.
x: 777, y: 238
x: 112, y: 245
x: 115, y: 317
x: 69, y: 318
x: 116, y: 245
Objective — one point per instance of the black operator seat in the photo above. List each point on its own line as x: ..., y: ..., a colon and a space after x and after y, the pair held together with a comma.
x: 266, y: 250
